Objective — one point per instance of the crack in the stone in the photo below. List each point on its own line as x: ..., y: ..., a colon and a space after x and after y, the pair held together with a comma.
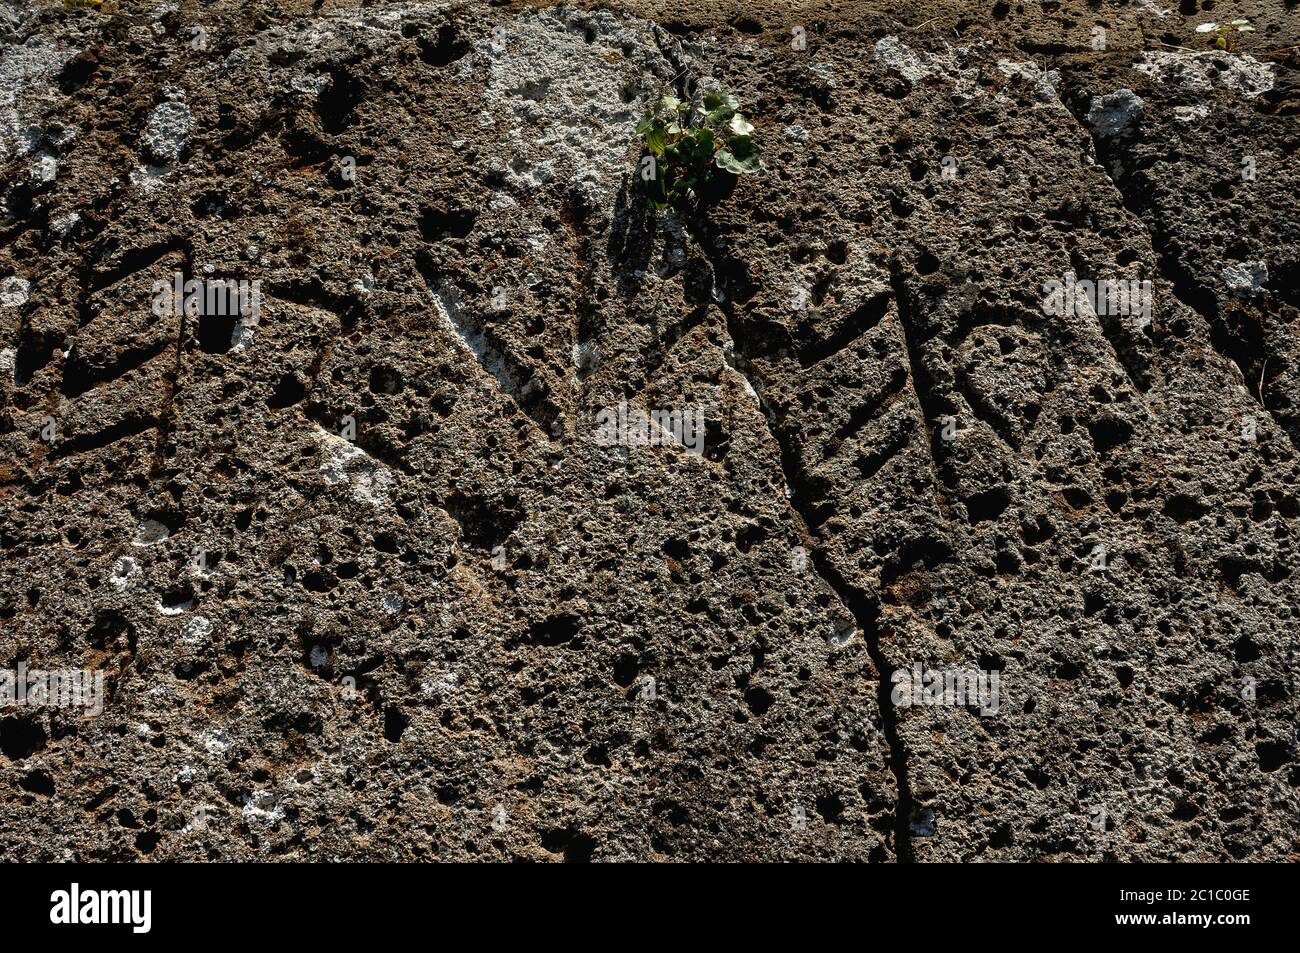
x: 864, y: 608
x: 1187, y: 290
x: 680, y: 82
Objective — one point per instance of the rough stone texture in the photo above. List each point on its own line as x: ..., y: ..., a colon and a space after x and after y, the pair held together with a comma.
x: 568, y: 651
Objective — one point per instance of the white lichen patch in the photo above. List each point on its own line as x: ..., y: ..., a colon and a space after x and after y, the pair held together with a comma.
x: 123, y: 571
x: 262, y: 808
x: 959, y: 67
x: 894, y: 54
x: 735, y: 366
x: 1191, y: 113
x: 1245, y: 277
x: 62, y: 225
x: 169, y: 128
x: 241, y: 336
x: 26, y: 91
x: 309, y: 84
x: 539, y: 239
x: 570, y: 86
x: 44, y: 168
x: 1115, y: 113
x: 342, y: 463
x: 14, y: 292
x: 825, y: 73
x: 1200, y: 72
x: 150, y: 532
x: 216, y: 742
x: 147, y: 178
x: 174, y: 608
x: 1045, y: 84
x: 447, y: 307
x: 795, y: 133
x: 195, y: 631
x: 586, y: 357
x: 440, y: 684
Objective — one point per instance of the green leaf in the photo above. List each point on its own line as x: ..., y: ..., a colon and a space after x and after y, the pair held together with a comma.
x: 740, y: 157
x: 654, y: 138
x: 714, y: 101
x: 719, y: 117
x: 693, y: 142
x: 739, y: 126
x: 718, y: 108
x: 704, y: 142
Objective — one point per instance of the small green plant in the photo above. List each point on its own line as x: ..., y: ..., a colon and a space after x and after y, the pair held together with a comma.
x: 1222, y: 32
x: 689, y: 142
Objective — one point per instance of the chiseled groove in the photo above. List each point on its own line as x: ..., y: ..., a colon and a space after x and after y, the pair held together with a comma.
x: 130, y: 427
x: 931, y: 407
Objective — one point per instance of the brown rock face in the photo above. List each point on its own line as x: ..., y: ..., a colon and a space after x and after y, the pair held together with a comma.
x: 381, y: 479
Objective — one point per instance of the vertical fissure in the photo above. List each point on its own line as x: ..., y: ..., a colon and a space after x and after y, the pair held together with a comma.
x: 1242, y: 345
x: 805, y: 503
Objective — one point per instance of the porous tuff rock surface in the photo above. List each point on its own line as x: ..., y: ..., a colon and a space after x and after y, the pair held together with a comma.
x: 469, y: 630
